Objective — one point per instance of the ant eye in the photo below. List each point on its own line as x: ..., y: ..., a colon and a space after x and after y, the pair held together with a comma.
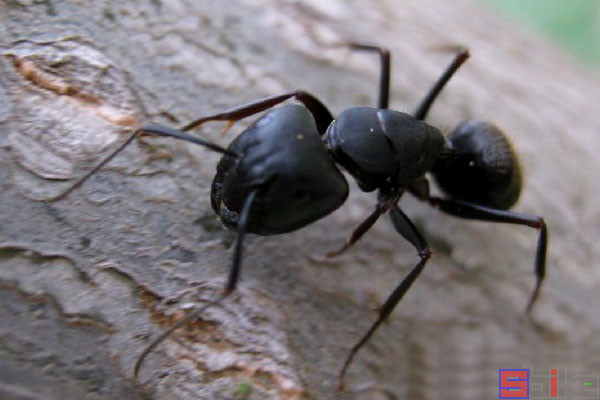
x: 301, y: 194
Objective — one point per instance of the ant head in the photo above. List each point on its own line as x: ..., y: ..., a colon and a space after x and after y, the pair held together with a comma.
x: 285, y: 158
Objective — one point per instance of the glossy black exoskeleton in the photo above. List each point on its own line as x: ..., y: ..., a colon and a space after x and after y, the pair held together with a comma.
x: 283, y: 154
x: 281, y: 174
x: 485, y: 160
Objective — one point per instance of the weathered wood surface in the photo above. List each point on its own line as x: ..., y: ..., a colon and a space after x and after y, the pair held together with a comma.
x: 85, y: 281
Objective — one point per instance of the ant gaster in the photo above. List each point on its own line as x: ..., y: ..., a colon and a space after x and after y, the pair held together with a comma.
x: 280, y: 174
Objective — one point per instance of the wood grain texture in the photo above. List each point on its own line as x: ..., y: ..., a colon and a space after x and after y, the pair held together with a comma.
x: 86, y: 281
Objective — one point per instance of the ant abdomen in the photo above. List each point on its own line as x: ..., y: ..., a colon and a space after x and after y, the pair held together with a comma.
x: 479, y: 166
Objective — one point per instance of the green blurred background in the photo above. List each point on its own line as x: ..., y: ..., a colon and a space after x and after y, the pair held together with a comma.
x: 573, y: 23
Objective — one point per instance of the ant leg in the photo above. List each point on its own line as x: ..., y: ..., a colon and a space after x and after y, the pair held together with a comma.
x: 383, y: 204
x: 384, y: 74
x: 361, y: 229
x: 147, y: 128
x: 407, y: 229
x: 321, y: 114
x: 234, y: 273
x: 467, y: 210
x: 462, y: 54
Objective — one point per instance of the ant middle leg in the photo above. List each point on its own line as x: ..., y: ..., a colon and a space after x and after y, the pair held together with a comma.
x: 407, y: 229
x: 384, y: 203
x: 462, y: 54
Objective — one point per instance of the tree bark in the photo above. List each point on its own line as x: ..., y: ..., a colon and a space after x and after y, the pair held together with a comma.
x: 86, y: 282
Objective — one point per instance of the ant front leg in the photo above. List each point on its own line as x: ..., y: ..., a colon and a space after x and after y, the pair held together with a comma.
x: 384, y: 74
x: 467, y: 210
x: 407, y: 229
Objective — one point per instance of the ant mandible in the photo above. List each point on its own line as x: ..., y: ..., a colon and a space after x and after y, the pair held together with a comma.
x: 280, y: 174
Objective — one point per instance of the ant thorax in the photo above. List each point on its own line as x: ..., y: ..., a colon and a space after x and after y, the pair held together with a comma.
x: 381, y: 146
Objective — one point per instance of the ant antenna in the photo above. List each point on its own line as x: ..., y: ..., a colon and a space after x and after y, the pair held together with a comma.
x: 192, y: 315
x: 243, y: 221
x: 152, y: 129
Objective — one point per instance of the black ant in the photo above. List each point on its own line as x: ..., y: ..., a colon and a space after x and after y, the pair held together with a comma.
x: 280, y: 174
